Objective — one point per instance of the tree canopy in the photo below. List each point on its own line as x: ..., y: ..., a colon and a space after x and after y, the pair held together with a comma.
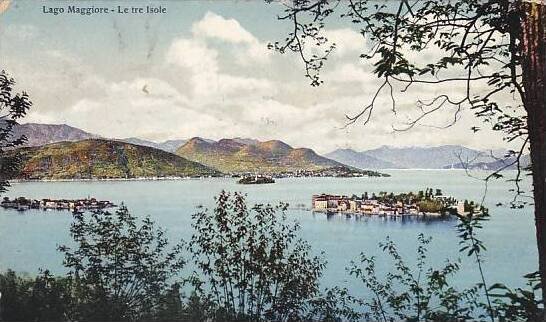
x: 13, y: 106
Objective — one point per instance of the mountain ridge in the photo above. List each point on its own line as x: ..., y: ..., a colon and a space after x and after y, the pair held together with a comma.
x: 273, y: 156
x: 38, y: 134
x: 436, y: 157
x: 273, y: 151
x: 104, y: 159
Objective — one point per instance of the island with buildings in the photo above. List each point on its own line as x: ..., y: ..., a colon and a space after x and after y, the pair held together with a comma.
x: 73, y: 205
x: 430, y: 202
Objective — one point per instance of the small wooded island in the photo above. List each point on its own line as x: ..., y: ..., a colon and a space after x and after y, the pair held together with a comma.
x: 256, y: 180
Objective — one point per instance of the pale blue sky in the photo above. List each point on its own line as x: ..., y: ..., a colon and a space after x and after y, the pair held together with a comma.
x: 206, y: 72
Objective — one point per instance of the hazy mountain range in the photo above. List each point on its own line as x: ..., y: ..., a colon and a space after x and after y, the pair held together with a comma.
x: 40, y: 134
x: 509, y: 163
x: 440, y: 157
x: 360, y: 159
x: 248, y: 154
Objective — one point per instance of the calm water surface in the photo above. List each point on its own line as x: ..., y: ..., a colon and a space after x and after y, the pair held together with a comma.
x: 29, y: 239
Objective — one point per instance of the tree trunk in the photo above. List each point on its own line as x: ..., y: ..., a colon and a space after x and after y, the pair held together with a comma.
x: 533, y: 21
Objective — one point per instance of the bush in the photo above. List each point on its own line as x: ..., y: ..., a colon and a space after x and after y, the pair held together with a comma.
x: 120, y: 270
x: 43, y: 298
x: 251, y: 264
x: 420, y: 294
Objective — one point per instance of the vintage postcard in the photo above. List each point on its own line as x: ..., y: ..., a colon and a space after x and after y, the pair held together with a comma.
x: 272, y: 160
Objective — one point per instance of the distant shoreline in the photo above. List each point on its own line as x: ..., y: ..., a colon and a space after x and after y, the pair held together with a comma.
x: 209, y: 177
x: 113, y: 179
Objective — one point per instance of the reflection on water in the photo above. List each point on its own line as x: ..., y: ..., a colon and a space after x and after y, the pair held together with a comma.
x: 405, y: 219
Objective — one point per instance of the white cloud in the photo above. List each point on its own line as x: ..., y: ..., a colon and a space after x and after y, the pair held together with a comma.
x: 248, y: 49
x: 145, y: 107
x: 201, y: 61
x: 350, y: 72
x: 193, y: 54
x: 229, y: 30
x: 347, y: 41
x: 256, y: 52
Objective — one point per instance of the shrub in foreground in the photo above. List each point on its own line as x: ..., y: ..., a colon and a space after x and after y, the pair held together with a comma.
x: 120, y: 268
x: 251, y: 264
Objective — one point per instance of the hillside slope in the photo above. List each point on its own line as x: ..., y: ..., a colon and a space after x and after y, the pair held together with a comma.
x: 98, y: 158
x: 236, y: 156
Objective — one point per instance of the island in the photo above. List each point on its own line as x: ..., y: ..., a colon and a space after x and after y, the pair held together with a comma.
x: 430, y: 202
x: 258, y: 179
x: 74, y: 205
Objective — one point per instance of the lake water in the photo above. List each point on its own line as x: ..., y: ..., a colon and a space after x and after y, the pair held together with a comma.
x: 29, y: 239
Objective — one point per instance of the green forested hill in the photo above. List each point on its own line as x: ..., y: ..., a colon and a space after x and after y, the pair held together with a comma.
x: 274, y: 156
x: 101, y: 159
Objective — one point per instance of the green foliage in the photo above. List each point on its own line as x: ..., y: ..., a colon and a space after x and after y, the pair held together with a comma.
x: 333, y: 305
x: 119, y: 268
x: 467, y: 228
x: 407, y: 294
x: 170, y: 306
x: 519, y: 304
x: 43, y: 298
x: 197, y: 309
x: 429, y: 201
x: 431, y: 206
x: 13, y: 106
x: 251, y: 264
